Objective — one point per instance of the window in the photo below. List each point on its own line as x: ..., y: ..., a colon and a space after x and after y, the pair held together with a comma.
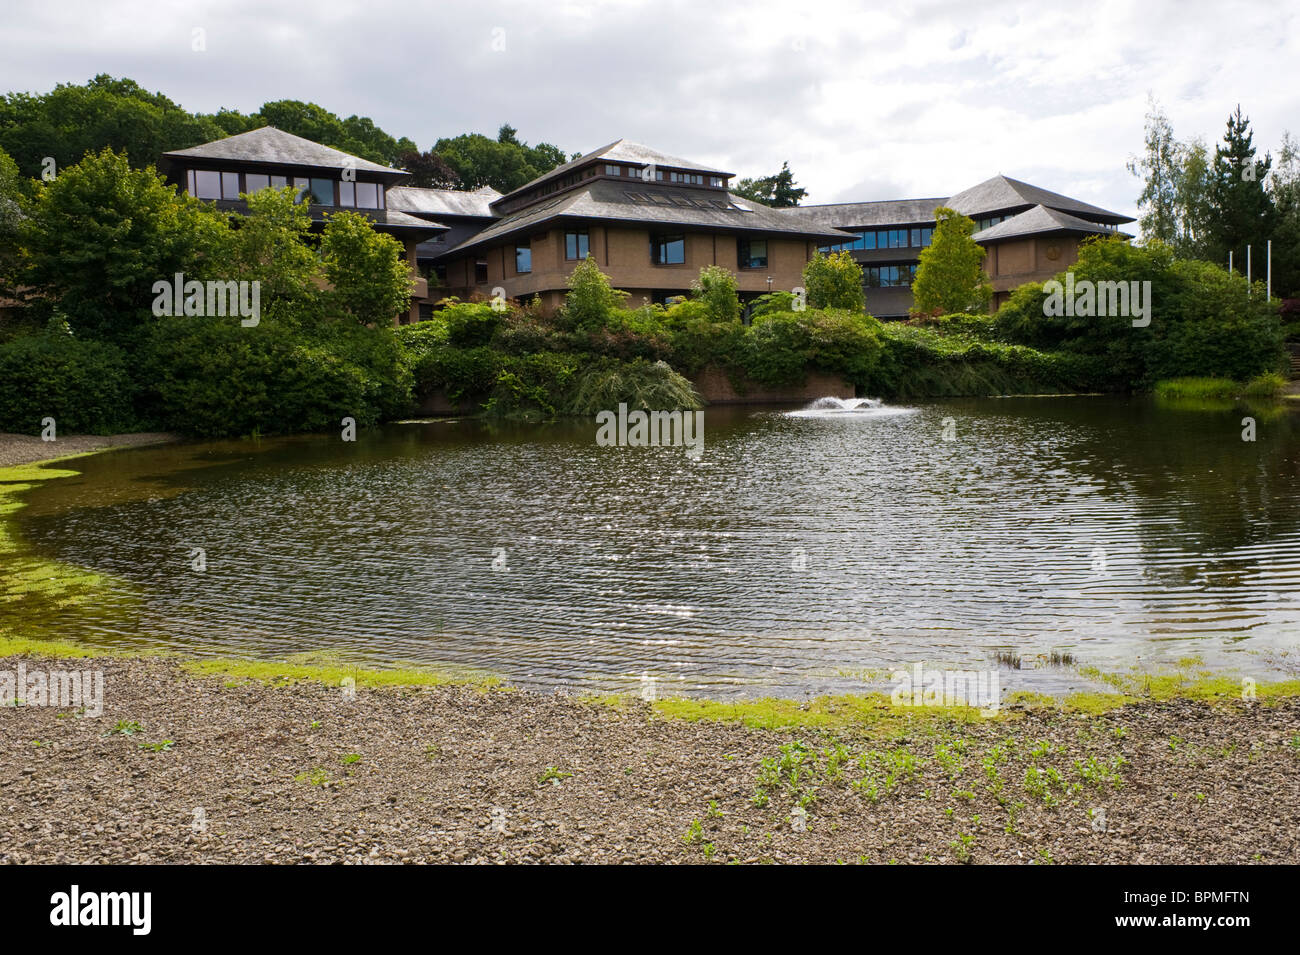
x: 613, y: 170
x: 753, y: 253
x: 279, y: 182
x: 888, y: 276
x: 256, y: 182
x: 230, y: 185
x: 715, y: 180
x: 207, y: 185
x: 347, y: 193
x: 368, y: 195
x: 926, y: 236
x: 668, y: 249
x: 868, y: 240
x: 322, y: 192
x: 301, y: 188
x: 523, y: 259
x: 480, y: 272
x: 576, y: 244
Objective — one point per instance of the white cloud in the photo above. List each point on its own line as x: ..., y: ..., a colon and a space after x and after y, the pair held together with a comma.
x: 865, y: 102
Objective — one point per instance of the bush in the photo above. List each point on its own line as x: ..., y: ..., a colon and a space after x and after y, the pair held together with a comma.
x: 648, y: 386
x: 470, y: 324
x: 715, y: 289
x: 213, y: 378
x: 591, y: 298
x: 834, y: 281
x: 83, y: 385
x: 782, y: 346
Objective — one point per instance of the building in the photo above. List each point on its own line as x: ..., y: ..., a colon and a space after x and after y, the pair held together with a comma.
x: 328, y: 179
x: 1029, y: 233
x: 650, y: 221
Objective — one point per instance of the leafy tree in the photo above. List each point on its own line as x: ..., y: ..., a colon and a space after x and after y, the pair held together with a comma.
x: 11, y: 216
x: 271, y: 245
x: 950, y: 277
x: 716, y: 290
x: 429, y: 170
x: 357, y: 134
x: 102, y: 233
x: 834, y: 281
x: 1284, y: 188
x: 1160, y: 169
x: 778, y: 191
x: 591, y: 299
x: 504, y: 163
x: 1242, y: 211
x: 367, y: 270
x: 1192, y: 199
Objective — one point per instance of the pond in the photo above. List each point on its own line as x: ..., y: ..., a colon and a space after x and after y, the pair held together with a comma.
x: 805, y: 551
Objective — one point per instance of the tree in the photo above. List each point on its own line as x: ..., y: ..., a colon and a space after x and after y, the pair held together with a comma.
x: 429, y: 170
x: 716, y: 290
x: 778, y: 191
x: 1192, y: 200
x: 11, y: 217
x: 503, y: 163
x: 834, y: 281
x: 1242, y: 211
x: 591, y: 298
x: 1160, y: 170
x: 951, y: 277
x: 102, y: 233
x: 1284, y: 188
x: 367, y: 271
x: 270, y: 245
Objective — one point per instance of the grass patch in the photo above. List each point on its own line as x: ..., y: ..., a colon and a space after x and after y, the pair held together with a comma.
x: 871, y: 711
x: 1199, y: 389
x: 280, y: 673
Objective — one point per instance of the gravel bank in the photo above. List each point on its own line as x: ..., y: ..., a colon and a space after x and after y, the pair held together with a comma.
x: 25, y: 448
x: 453, y: 774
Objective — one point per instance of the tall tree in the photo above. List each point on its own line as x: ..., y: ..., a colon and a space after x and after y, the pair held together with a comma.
x: 1242, y: 211
x: 778, y: 190
x: 1159, y: 168
x: 1284, y: 188
x: 950, y: 277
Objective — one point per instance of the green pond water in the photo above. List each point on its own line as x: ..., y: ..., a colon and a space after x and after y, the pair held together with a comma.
x: 806, y: 551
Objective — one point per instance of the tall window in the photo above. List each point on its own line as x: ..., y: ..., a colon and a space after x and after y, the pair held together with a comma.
x: 613, y: 170
x: 576, y: 244
x: 322, y: 192
x: 207, y: 185
x: 230, y: 185
x: 368, y: 195
x: 753, y: 253
x: 480, y: 271
x: 347, y: 193
x: 256, y: 182
x: 523, y: 259
x: 668, y: 249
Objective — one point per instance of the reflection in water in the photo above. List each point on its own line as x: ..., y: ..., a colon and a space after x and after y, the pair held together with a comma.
x: 801, y: 551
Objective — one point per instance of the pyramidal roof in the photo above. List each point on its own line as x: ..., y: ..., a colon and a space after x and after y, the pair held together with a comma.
x: 1039, y: 219
x: 1003, y: 192
x: 625, y: 151
x: 274, y: 146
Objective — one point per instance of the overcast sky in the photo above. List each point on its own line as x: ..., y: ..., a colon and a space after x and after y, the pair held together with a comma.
x: 865, y: 100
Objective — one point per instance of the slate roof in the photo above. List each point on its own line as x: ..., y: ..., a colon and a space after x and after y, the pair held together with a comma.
x: 1039, y: 219
x: 270, y: 146
x: 1002, y: 192
x: 851, y: 215
x: 610, y: 201
x: 621, y: 150
x: 417, y: 200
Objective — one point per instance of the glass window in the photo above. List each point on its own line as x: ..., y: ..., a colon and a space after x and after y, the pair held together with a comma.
x: 613, y: 170
x: 256, y: 182
x: 368, y: 195
x: 322, y: 192
x: 753, y: 253
x: 347, y: 193
x: 575, y: 245
x: 915, y: 238
x: 523, y: 259
x: 480, y: 271
x: 207, y: 185
x: 668, y: 249
x: 279, y: 182
x: 926, y: 236
x: 301, y: 188
x: 230, y: 185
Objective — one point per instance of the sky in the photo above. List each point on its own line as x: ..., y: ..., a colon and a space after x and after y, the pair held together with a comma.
x: 864, y: 100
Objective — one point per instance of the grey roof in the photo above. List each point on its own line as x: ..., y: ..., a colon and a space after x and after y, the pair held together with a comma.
x: 1037, y: 220
x: 270, y: 145
x: 443, y: 202
x: 1002, y: 193
x: 851, y: 215
x: 621, y: 150
x: 607, y: 200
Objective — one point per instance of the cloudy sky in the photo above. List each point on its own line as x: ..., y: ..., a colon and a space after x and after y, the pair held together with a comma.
x: 865, y: 100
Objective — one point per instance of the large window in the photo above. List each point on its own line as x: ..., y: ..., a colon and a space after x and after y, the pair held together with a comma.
x: 885, y: 239
x: 668, y: 249
x: 256, y: 182
x: 347, y: 193
x: 369, y: 195
x: 753, y: 253
x: 888, y: 276
x: 523, y: 259
x: 207, y: 185
x: 576, y: 244
x: 322, y: 192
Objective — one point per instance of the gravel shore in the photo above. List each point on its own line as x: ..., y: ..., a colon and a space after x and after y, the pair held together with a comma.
x: 26, y: 449
x: 305, y: 773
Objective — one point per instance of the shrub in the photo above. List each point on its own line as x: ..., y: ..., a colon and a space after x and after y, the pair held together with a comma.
x: 470, y: 324
x: 591, y: 298
x: 782, y: 346
x: 834, y: 281
x: 367, y: 270
x: 648, y: 386
x: 715, y: 289
x: 83, y: 385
